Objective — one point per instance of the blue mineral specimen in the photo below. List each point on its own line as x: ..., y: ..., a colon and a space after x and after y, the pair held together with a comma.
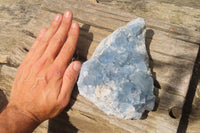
x: 117, y: 78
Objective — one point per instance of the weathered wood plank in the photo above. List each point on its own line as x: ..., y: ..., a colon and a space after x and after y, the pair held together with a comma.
x: 117, y: 17
x: 180, y: 12
x: 173, y: 52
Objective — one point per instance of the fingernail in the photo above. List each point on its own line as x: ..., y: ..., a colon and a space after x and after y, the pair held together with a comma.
x: 67, y: 14
x: 57, y: 17
x: 77, y: 66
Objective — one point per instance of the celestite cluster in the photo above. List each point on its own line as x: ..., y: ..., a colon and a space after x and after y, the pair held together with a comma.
x: 117, y: 77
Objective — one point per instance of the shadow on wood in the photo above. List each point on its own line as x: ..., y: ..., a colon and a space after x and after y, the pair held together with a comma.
x: 84, y: 42
x: 3, y: 100
x: 187, y: 107
x: 148, y: 39
x: 61, y: 124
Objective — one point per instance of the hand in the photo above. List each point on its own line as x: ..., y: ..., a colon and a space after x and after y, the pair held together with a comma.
x: 44, y: 80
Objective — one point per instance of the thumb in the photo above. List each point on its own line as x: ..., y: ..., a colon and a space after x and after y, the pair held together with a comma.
x: 69, y: 79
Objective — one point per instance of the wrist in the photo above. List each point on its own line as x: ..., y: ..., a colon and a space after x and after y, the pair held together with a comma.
x: 14, y: 120
x: 27, y: 116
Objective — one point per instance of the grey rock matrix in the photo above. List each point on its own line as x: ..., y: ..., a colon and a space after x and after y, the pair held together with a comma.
x: 117, y: 77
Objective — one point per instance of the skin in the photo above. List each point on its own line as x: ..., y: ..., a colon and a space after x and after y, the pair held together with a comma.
x: 45, y: 79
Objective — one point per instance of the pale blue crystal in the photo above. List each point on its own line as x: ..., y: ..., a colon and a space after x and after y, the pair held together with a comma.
x: 117, y: 77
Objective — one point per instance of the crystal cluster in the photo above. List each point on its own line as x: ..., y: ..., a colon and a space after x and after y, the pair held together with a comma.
x: 117, y: 77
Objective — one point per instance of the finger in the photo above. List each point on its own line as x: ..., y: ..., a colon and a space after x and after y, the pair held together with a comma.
x: 42, y: 43
x: 59, y: 38
x: 39, y: 37
x: 69, y: 79
x: 67, y: 51
x: 34, y: 46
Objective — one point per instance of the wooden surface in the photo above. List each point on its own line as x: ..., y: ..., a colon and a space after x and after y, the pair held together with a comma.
x: 172, y: 47
x: 184, y: 13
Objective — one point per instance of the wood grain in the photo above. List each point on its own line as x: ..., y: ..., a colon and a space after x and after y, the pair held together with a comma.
x: 173, y: 50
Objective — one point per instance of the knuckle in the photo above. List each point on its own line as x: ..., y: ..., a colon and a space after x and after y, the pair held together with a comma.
x: 57, y: 73
x: 48, y: 57
x: 55, y: 24
x: 66, y: 22
x: 69, y: 76
x: 42, y: 40
x: 41, y: 33
x: 70, y: 48
x: 73, y: 32
x: 57, y: 39
x: 54, y: 72
x: 64, y: 102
